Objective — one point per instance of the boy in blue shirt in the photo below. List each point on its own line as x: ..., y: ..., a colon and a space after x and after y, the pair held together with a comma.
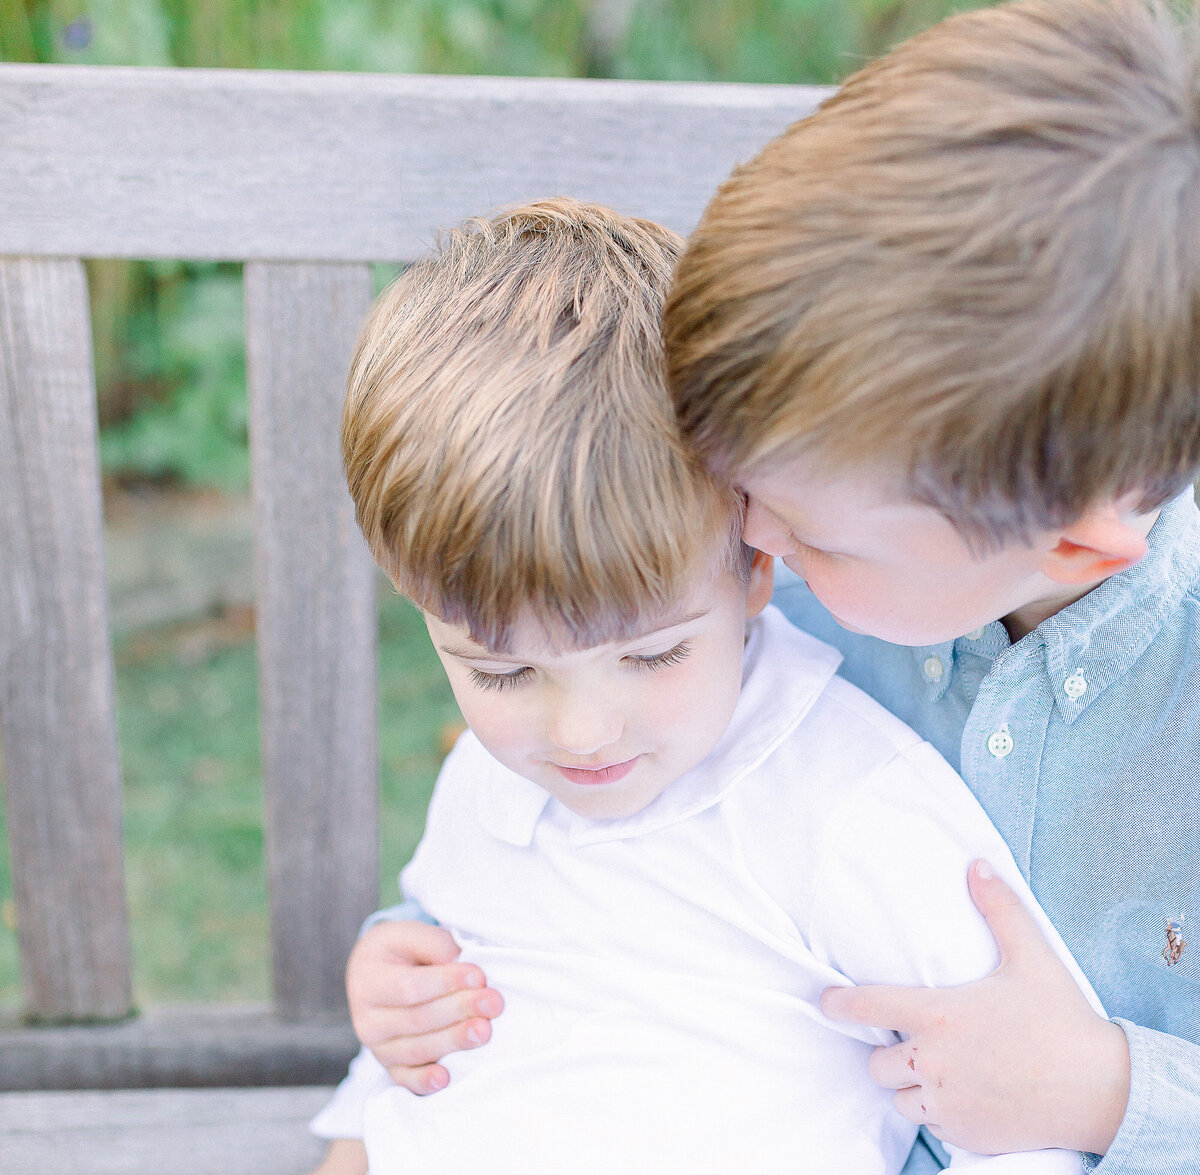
x: 943, y: 334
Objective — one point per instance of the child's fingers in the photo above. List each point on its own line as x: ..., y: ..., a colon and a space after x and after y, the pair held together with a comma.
x: 896, y: 1066
x: 914, y: 1104
x: 429, y: 1047
x: 1016, y: 933
x: 421, y: 1080
x: 414, y: 943
x: 412, y: 987
x: 442, y: 1015
x: 898, y: 1008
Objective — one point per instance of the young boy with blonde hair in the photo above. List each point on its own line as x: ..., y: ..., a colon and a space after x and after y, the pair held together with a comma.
x: 944, y: 333
x: 671, y: 825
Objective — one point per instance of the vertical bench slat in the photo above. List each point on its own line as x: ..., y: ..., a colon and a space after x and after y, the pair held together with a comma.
x: 57, y: 722
x: 316, y: 625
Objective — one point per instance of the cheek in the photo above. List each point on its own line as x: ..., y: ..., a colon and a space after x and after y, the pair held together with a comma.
x: 696, y: 706
x: 495, y: 719
x: 840, y: 587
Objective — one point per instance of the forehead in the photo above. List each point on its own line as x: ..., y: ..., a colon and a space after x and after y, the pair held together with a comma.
x: 533, y: 638
x: 859, y: 513
x: 798, y: 489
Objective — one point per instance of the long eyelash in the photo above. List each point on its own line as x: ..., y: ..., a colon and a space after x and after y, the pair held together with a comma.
x: 662, y: 660
x: 498, y: 681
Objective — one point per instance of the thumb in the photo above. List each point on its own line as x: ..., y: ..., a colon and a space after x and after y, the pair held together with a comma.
x: 1017, y: 935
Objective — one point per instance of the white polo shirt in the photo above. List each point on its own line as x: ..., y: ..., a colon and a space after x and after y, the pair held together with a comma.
x: 662, y: 972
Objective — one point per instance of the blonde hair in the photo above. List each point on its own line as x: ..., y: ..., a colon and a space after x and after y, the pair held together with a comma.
x: 508, y: 438
x: 977, y: 265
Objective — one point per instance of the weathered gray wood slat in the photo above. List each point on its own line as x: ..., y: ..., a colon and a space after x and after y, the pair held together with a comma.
x: 283, y: 166
x: 316, y: 627
x: 164, y: 1132
x: 57, y: 720
x: 177, y: 1046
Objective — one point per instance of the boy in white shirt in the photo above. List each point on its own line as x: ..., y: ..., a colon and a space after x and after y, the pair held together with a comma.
x: 671, y: 825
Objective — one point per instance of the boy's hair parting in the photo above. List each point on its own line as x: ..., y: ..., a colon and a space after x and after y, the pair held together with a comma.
x: 977, y: 266
x: 508, y: 438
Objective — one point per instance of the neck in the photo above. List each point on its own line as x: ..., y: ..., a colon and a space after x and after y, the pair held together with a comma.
x: 1058, y: 596
x: 1024, y: 620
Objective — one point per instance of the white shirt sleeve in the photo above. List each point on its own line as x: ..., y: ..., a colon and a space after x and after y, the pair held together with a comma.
x: 342, y: 1115
x: 891, y: 904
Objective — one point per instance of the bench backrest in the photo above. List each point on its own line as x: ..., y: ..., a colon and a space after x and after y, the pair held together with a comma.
x: 307, y: 178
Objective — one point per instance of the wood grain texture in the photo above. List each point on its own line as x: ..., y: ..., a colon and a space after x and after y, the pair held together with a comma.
x: 287, y: 166
x: 161, y: 1132
x: 178, y: 1046
x: 56, y: 681
x: 316, y: 627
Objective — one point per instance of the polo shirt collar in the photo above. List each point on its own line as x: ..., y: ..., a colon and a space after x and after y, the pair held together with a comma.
x: 784, y: 673
x: 1095, y: 641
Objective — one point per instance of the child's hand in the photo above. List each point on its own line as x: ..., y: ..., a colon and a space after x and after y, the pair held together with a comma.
x: 1016, y: 1061
x: 411, y: 1004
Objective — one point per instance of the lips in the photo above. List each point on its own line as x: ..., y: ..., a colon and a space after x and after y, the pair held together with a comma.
x: 596, y: 775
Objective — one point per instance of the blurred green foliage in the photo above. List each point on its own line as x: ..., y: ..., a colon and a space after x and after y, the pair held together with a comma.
x: 183, y: 347
x: 168, y: 335
x: 188, y: 709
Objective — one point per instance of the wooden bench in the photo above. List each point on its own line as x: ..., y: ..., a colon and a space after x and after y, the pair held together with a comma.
x: 306, y: 179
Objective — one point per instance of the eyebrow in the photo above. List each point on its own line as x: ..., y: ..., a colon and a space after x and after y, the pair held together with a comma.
x: 481, y: 654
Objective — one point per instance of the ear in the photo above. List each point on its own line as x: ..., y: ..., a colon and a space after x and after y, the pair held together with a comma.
x: 1102, y: 543
x: 762, y: 583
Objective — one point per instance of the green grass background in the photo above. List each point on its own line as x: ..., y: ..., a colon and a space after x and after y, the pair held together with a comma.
x: 172, y: 401
x: 188, y: 722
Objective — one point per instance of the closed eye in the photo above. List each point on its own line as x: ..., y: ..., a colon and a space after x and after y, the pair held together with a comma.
x: 660, y: 660
x: 499, y: 681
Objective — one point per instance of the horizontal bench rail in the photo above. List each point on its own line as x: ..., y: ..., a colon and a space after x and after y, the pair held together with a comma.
x: 242, y: 165
x: 173, y: 1047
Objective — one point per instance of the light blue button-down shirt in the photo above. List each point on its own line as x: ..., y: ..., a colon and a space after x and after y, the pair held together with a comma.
x: 1082, y: 742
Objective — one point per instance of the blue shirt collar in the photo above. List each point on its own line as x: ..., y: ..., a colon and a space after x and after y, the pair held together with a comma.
x: 1094, y: 641
x: 1100, y: 636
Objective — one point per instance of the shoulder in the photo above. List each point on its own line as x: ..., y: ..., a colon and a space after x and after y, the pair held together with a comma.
x: 847, y: 801
x: 846, y: 737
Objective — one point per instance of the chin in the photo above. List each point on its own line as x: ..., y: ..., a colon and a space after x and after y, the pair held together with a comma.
x: 899, y: 636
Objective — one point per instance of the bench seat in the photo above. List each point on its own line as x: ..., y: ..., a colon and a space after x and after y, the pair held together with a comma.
x: 161, y: 1131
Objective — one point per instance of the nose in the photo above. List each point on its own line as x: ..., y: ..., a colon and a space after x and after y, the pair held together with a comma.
x: 764, y: 530
x: 583, y: 723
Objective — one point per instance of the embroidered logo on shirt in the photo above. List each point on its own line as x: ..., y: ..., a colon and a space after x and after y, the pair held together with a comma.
x: 1175, y: 944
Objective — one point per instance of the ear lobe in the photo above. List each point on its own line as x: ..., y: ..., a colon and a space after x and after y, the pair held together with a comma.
x: 1101, y: 544
x: 762, y: 583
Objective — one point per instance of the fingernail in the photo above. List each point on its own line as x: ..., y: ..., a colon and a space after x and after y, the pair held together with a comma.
x: 984, y: 870
x: 489, y: 1006
x: 473, y: 979
x: 438, y: 1080
x: 476, y: 1035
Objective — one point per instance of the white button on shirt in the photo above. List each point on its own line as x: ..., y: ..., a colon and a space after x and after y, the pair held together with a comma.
x: 1076, y: 685
x: 1000, y: 743
x: 934, y: 669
